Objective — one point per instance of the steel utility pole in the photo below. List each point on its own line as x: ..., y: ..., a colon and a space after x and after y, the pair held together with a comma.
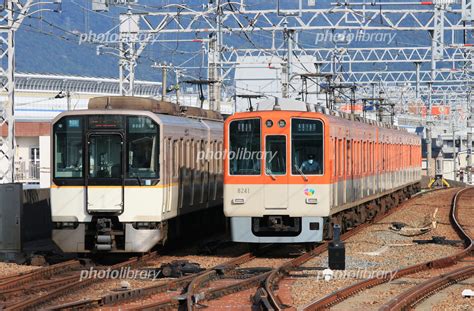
x: 287, y: 69
x: 214, y: 60
x: 454, y: 153
x: 128, y: 30
x: 12, y: 15
x: 164, y: 78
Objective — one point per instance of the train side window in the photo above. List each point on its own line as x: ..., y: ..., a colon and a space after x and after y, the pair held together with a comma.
x: 197, y: 151
x: 202, y: 155
x: 372, y: 157
x: 411, y: 156
x: 143, y: 148
x: 341, y: 157
x: 384, y: 156
x: 210, y: 147
x: 176, y: 158
x: 356, y: 158
x: 307, y: 147
x: 220, y: 160
x: 361, y: 157
x: 182, y: 156
x: 336, y: 157
x: 188, y: 154
x: 369, y: 157
x: 349, y: 157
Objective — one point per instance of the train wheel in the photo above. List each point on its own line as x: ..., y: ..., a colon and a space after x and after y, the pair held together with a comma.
x: 309, y: 246
x: 253, y: 247
x: 383, y: 206
x: 363, y: 214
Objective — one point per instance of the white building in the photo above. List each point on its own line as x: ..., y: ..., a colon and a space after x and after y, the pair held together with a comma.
x: 39, y: 98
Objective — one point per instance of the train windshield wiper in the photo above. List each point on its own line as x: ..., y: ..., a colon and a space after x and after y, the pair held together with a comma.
x: 301, y: 173
x: 269, y: 173
x: 139, y: 180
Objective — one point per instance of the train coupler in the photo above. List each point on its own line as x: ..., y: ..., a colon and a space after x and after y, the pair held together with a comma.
x: 104, y: 239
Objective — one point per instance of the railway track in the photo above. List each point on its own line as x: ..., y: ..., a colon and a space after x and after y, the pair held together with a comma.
x: 266, y: 297
x: 33, y: 289
x: 197, y: 289
x: 412, y: 296
x: 430, y: 286
x: 156, y: 295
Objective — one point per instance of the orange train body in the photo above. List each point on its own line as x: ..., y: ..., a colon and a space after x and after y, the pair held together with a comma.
x: 356, y: 162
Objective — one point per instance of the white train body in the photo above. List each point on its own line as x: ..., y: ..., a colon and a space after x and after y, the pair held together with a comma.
x: 141, y: 171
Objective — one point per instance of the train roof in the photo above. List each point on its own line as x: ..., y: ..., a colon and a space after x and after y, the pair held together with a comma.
x: 150, y: 104
x: 297, y: 106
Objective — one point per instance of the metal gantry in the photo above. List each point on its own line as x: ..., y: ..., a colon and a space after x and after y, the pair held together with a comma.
x: 222, y: 19
x: 12, y: 15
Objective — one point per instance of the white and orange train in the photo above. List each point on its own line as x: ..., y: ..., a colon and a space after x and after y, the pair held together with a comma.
x: 291, y: 175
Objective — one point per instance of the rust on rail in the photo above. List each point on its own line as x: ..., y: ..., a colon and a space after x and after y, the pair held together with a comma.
x: 351, y: 290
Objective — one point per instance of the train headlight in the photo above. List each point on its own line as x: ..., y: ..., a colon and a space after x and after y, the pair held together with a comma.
x: 238, y: 201
x: 269, y: 123
x: 311, y: 201
x: 65, y: 225
x: 282, y: 123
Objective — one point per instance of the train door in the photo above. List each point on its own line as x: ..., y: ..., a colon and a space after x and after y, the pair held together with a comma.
x: 276, y: 185
x: 104, y: 172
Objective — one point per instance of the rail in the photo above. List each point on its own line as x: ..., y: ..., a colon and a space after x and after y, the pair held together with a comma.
x: 268, y: 299
x: 412, y: 295
x: 351, y: 290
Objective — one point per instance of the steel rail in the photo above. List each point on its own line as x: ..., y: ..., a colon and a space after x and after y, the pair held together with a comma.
x: 14, y: 281
x: 338, y: 296
x: 425, y: 289
x: 193, y: 296
x: 38, y: 300
x: 266, y: 296
x: 413, y: 295
x: 191, y: 282
x: 6, y: 294
x: 198, y: 282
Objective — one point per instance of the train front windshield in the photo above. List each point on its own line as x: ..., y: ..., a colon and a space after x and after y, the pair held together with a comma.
x: 307, y: 146
x: 117, y: 147
x: 244, y: 137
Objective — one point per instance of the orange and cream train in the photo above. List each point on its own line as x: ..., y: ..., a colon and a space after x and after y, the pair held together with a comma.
x: 290, y: 176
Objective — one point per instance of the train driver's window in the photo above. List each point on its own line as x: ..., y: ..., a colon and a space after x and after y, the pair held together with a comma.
x: 244, y: 147
x: 307, y: 154
x: 68, y: 142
